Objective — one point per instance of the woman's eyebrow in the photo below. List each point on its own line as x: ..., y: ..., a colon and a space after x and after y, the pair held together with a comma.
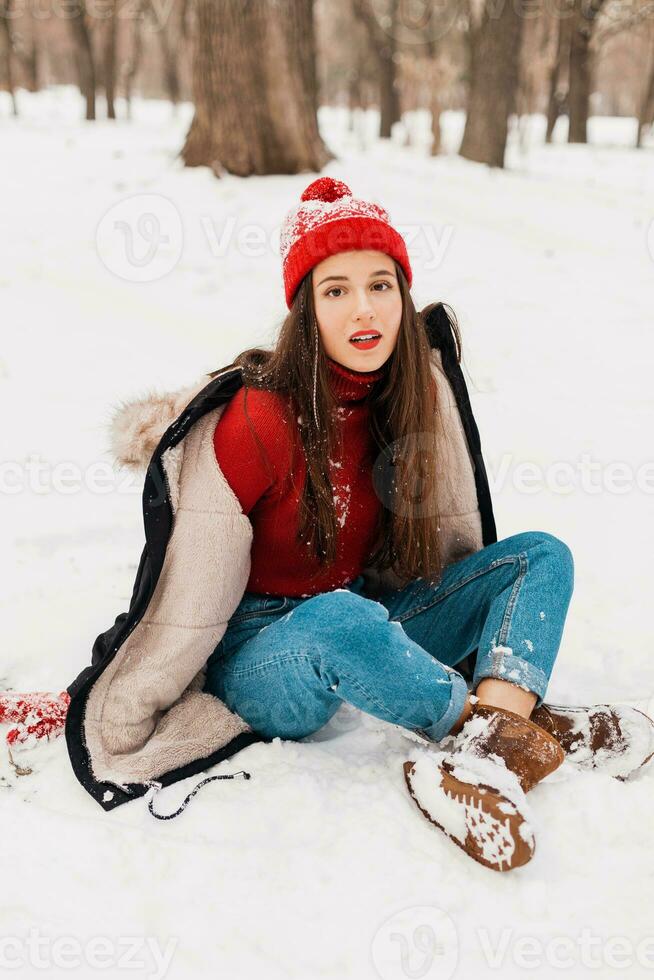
x: 380, y: 272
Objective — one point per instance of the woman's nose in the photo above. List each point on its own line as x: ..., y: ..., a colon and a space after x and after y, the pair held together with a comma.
x: 363, y: 308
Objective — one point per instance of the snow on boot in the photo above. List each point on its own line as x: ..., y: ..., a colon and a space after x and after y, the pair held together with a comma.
x: 38, y: 714
x: 616, y: 739
x: 475, y: 794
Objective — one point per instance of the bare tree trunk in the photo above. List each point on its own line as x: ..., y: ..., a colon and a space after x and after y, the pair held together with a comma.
x: 579, y: 97
x: 408, y: 101
x: 8, y: 45
x: 388, y: 95
x: 111, y: 29
x: 31, y: 61
x: 646, y: 110
x: 494, y: 60
x: 185, y: 11
x: 84, y: 55
x: 581, y: 68
x: 358, y: 103
x: 302, y: 39
x: 384, y: 46
x: 436, y: 107
x: 558, y: 101
x: 27, y: 56
x: 255, y: 89
x: 436, y: 77
x: 169, y: 52
x: 353, y: 98
x: 136, y: 51
x: 33, y: 57
x: 356, y: 86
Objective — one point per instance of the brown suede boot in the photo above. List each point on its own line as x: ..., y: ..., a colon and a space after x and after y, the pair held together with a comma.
x: 616, y: 739
x: 475, y: 794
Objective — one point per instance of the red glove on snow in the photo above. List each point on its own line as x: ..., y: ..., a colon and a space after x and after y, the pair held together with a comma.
x: 38, y: 713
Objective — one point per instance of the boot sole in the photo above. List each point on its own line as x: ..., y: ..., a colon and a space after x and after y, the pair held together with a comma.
x: 623, y: 778
x: 591, y: 763
x: 499, y: 840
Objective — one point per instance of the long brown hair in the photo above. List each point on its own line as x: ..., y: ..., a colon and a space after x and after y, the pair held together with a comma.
x: 404, y: 424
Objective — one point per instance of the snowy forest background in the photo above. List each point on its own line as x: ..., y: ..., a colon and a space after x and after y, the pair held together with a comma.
x: 278, y: 61
x: 148, y: 153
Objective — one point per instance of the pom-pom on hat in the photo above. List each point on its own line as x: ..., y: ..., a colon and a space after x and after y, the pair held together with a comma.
x: 329, y: 220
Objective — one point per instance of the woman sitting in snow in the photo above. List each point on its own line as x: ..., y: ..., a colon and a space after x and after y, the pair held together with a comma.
x: 357, y: 485
x: 319, y: 530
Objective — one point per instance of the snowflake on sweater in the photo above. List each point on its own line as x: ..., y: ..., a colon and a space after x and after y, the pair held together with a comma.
x: 341, y: 497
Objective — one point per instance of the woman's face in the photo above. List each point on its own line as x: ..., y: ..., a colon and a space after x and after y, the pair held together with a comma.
x: 353, y: 292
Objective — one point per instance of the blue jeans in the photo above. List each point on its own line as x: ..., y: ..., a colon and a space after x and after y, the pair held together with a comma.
x: 285, y: 663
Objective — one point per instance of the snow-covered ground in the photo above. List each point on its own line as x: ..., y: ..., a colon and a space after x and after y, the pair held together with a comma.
x: 320, y: 865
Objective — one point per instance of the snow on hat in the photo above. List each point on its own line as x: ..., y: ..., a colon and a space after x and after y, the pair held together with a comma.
x: 329, y: 220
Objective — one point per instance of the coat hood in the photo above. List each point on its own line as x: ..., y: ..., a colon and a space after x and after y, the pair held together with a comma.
x: 137, y: 425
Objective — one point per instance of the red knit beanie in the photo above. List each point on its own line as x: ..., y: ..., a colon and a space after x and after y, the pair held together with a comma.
x: 329, y: 220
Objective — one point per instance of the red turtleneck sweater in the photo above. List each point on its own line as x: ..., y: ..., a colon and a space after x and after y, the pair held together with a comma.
x: 280, y: 566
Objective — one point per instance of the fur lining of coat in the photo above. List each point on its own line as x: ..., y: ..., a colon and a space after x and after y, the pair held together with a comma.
x: 146, y: 713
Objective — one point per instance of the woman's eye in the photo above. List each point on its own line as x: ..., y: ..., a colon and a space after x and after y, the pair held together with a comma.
x: 339, y: 289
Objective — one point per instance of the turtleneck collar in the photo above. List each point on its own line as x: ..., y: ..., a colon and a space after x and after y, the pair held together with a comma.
x: 348, y: 385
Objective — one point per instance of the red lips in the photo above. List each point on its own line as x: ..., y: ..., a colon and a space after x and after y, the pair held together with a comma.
x: 361, y: 333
